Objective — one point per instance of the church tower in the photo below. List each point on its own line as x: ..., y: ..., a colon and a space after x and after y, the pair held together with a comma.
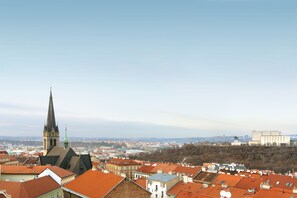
x: 51, y: 130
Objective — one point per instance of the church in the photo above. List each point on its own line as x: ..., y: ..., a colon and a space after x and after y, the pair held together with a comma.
x: 57, y: 155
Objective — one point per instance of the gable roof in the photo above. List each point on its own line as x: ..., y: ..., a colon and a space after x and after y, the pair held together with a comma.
x: 62, y: 173
x: 31, y: 188
x: 94, y: 183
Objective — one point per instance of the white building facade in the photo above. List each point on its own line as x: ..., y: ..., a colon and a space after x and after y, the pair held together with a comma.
x: 269, y: 138
x: 160, y: 183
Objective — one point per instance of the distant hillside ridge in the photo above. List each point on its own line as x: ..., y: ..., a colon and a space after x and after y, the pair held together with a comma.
x: 278, y: 159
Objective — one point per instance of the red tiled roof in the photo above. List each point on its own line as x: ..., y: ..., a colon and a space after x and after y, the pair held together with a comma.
x: 249, y: 183
x: 7, y: 157
x: 230, y: 180
x: 281, y: 181
x: 62, y: 173
x: 12, y: 188
x: 40, y: 186
x: 122, y: 162
x: 166, y: 168
x: 145, y: 169
x: 22, y: 170
x: 94, y: 183
x: 182, y: 187
x: 189, y: 171
x: 31, y: 188
x: 141, y: 182
x: 191, y: 190
x: 272, y: 194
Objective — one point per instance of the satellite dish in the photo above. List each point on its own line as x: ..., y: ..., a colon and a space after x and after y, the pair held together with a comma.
x: 228, y: 194
x: 223, y: 193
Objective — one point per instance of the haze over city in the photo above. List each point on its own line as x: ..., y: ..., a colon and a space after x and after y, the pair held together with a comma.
x: 149, y: 69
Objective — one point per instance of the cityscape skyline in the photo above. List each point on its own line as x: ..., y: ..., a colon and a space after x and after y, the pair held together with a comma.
x: 134, y: 69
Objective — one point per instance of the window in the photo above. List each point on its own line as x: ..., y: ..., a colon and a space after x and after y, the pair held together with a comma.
x: 156, y: 188
x: 51, y: 142
x: 55, y: 142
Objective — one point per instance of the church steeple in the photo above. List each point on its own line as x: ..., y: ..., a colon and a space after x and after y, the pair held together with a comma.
x: 51, y: 130
x: 51, y: 120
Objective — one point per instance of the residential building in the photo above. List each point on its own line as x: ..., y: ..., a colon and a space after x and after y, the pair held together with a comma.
x: 6, y: 159
x: 124, y: 167
x: 158, y: 184
x: 143, y: 171
x: 20, y: 173
x: 97, y: 184
x: 60, y: 175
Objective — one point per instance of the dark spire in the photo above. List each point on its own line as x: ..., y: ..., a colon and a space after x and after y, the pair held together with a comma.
x: 51, y: 120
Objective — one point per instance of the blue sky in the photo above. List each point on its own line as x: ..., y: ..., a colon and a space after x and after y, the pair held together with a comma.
x: 149, y: 69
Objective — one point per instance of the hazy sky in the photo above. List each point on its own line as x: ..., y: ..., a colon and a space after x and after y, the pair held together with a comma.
x: 149, y: 68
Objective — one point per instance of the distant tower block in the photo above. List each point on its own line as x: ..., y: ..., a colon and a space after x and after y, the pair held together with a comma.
x: 51, y: 130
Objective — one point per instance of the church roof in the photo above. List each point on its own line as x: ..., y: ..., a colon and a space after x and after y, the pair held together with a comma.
x: 51, y: 120
x: 66, y: 158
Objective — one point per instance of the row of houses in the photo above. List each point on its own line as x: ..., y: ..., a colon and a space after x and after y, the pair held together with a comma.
x: 145, y: 180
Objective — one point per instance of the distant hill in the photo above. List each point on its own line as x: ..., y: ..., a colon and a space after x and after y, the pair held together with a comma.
x: 279, y: 159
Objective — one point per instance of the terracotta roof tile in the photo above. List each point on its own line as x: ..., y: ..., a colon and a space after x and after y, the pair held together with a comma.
x: 62, y: 173
x: 40, y: 186
x: 22, y: 170
x: 249, y: 183
x: 122, y: 162
x: 166, y: 168
x: 281, y: 181
x: 272, y: 194
x: 145, y: 169
x: 189, y: 171
x: 31, y: 188
x: 230, y: 180
x: 141, y: 182
x: 7, y: 157
x: 94, y: 183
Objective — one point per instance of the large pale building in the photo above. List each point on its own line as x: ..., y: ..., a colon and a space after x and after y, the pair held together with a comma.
x: 269, y: 138
x: 124, y: 167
